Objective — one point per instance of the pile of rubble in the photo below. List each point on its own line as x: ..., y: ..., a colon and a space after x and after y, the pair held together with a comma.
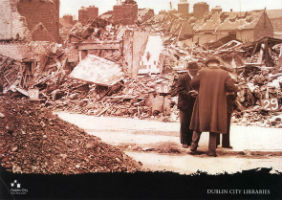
x: 32, y: 140
x: 256, y: 67
x: 128, y: 98
x: 120, y: 75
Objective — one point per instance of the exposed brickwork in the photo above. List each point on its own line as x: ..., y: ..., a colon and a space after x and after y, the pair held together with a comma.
x: 200, y: 9
x: 183, y: 8
x: 125, y: 13
x: 45, y: 12
x: 84, y: 14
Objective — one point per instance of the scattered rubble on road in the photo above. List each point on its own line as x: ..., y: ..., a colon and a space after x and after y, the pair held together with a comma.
x: 175, y: 149
x: 33, y: 140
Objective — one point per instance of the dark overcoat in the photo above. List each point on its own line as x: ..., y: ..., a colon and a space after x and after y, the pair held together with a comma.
x: 185, y: 100
x: 210, y: 109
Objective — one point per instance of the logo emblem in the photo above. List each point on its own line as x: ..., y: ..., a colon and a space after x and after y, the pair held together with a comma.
x: 15, y: 184
x: 17, y: 189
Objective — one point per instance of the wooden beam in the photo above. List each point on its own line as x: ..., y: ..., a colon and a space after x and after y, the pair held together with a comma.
x: 99, y: 46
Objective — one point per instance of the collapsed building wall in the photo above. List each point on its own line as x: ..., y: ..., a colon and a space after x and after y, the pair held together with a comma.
x: 12, y: 25
x: 42, y: 18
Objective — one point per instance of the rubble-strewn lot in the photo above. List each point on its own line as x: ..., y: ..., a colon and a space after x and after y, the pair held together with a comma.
x: 32, y: 140
x: 148, y: 95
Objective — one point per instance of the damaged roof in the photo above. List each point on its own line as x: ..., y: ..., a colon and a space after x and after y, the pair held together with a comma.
x: 229, y: 21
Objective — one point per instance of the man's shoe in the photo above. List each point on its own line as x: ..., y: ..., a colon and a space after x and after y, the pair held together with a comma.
x: 185, y: 145
x: 194, y: 153
x: 227, y: 147
x: 212, y: 154
x: 193, y: 147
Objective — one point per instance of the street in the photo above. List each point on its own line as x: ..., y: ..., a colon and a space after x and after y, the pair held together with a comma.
x: 156, y: 145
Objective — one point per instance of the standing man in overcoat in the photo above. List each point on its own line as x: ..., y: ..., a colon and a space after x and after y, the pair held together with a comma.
x: 186, y: 99
x: 210, y: 109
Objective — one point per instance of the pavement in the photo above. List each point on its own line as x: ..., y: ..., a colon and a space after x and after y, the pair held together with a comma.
x: 124, y: 130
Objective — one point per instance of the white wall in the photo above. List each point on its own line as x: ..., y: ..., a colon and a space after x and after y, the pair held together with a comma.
x: 11, y: 23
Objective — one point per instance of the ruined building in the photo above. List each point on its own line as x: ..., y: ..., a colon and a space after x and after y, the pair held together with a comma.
x: 245, y: 26
x: 183, y: 7
x: 86, y: 14
x: 126, y: 13
x: 12, y: 25
x: 201, y: 9
x: 42, y: 18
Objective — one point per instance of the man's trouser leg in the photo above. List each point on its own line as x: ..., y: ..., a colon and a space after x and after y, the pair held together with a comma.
x: 226, y: 137
x: 195, y: 140
x: 217, y: 140
x: 212, y: 143
x: 185, y: 132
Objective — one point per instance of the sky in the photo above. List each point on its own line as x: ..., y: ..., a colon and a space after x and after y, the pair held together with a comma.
x: 72, y: 6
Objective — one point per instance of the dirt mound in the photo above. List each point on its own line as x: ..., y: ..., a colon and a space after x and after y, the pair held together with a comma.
x: 33, y: 140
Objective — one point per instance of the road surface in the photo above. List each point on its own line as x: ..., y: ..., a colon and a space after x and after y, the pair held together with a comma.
x: 156, y: 145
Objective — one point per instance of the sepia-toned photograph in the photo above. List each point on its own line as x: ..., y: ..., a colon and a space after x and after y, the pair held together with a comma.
x: 92, y: 90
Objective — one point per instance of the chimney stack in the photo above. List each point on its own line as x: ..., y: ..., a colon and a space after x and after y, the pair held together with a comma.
x: 183, y: 7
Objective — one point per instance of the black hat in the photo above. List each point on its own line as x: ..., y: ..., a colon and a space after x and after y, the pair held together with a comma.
x: 212, y: 59
x: 192, y: 65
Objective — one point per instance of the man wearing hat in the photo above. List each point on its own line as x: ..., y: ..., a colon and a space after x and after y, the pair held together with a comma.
x: 186, y: 99
x: 210, y: 109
